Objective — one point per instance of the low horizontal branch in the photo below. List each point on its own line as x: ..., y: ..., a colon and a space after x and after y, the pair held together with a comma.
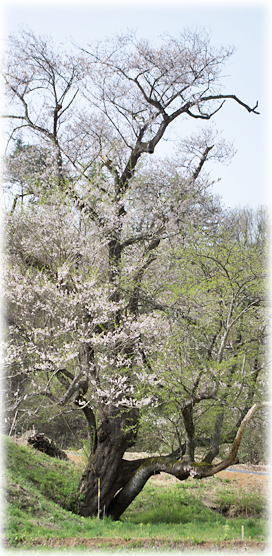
x: 176, y: 465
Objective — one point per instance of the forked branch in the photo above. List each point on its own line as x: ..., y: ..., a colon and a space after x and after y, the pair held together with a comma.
x: 230, y: 459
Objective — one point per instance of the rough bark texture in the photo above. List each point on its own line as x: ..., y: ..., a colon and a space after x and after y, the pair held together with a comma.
x: 106, y: 471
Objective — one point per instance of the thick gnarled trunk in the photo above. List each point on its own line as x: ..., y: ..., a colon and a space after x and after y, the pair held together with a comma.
x: 107, y: 472
x: 101, y: 479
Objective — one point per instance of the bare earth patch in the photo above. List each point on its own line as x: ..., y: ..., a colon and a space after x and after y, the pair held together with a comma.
x: 249, y: 480
x: 148, y: 543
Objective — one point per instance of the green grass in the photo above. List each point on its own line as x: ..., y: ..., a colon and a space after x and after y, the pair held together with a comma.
x: 42, y: 500
x: 240, y: 503
x: 56, y: 479
x: 180, y: 511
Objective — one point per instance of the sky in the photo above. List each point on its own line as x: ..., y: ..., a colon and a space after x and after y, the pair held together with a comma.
x: 243, y: 25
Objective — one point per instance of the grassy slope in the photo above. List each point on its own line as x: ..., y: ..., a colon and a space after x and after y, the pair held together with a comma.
x: 41, y: 494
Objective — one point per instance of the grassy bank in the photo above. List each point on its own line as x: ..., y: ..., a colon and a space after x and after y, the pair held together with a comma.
x: 41, y: 493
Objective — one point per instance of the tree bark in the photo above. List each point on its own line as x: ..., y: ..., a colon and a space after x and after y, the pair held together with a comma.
x: 106, y: 471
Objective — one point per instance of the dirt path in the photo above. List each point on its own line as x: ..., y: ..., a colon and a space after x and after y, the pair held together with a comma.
x: 101, y: 543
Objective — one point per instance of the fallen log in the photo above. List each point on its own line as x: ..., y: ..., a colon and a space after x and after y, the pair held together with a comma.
x: 40, y: 442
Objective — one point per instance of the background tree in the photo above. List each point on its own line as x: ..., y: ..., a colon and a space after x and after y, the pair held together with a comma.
x: 82, y: 318
x: 215, y: 308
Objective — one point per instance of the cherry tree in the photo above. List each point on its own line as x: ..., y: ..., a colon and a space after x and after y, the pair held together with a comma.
x: 96, y: 217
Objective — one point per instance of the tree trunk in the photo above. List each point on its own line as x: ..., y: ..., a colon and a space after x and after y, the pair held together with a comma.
x: 106, y: 471
x: 110, y: 483
x: 99, y: 482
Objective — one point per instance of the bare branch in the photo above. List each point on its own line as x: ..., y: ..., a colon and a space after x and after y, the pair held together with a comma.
x: 235, y: 98
x: 79, y: 384
x: 202, y: 162
x: 231, y: 457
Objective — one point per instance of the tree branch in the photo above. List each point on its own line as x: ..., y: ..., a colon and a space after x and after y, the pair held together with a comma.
x: 181, y: 468
x: 231, y: 457
x: 235, y: 98
x: 202, y: 162
x: 78, y: 385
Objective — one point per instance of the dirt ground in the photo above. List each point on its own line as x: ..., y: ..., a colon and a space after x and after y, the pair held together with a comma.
x: 249, y: 479
x: 99, y: 544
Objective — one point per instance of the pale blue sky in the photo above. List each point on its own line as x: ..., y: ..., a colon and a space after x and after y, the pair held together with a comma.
x: 243, y: 26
